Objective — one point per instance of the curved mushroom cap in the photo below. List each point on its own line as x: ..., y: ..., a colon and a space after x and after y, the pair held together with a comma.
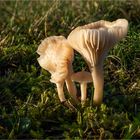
x: 81, y: 77
x: 93, y: 40
x: 56, y: 56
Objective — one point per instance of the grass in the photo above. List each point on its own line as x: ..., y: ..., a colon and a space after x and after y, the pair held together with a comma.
x: 29, y: 105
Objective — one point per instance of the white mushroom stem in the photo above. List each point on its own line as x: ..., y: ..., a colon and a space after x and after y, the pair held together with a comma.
x: 62, y: 96
x: 71, y: 88
x: 98, y: 80
x: 83, y: 87
x: 83, y: 78
x: 60, y: 91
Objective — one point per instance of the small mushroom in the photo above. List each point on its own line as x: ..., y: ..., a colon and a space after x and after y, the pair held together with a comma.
x: 83, y: 78
x: 93, y: 42
x: 56, y: 56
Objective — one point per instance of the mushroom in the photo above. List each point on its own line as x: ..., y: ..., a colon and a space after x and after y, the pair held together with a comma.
x: 56, y: 56
x: 83, y: 78
x: 93, y: 42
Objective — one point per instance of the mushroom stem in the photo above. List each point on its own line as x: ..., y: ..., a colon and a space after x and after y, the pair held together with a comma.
x: 98, y: 81
x: 60, y: 91
x: 71, y: 88
x: 83, y: 87
x: 62, y: 96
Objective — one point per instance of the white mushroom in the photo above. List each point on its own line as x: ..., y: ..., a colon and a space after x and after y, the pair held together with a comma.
x: 83, y: 78
x: 93, y: 42
x: 56, y: 56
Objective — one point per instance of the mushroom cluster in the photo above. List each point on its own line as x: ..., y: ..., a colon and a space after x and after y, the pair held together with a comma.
x: 93, y: 42
x: 56, y: 56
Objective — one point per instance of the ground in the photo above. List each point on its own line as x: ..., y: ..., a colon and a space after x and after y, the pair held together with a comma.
x: 29, y: 105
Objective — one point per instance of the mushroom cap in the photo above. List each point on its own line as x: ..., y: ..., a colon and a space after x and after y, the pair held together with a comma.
x: 82, y: 76
x: 94, y: 40
x: 56, y: 56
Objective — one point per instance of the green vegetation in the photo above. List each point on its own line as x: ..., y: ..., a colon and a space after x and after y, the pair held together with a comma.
x: 29, y: 105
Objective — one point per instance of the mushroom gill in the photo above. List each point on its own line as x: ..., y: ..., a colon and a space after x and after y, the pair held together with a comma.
x: 93, y: 42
